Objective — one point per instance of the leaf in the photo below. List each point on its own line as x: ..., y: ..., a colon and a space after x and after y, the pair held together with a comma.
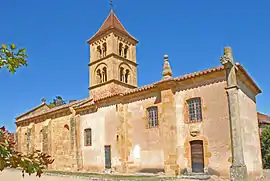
x: 4, y: 46
x: 12, y: 46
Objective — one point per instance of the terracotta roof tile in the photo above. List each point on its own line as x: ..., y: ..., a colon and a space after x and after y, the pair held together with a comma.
x: 112, y: 22
x: 262, y: 118
x: 51, y: 110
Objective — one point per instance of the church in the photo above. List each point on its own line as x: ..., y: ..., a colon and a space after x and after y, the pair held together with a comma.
x: 202, y: 122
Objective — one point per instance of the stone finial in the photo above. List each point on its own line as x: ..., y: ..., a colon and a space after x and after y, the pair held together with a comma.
x: 167, y: 71
x: 227, y: 57
x: 43, y: 100
x: 228, y: 51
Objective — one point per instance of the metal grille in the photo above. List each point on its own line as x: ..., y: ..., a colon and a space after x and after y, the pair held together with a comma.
x: 88, y: 137
x: 194, y: 109
x: 153, y: 116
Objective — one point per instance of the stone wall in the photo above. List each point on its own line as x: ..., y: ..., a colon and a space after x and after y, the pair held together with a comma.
x: 250, y: 131
x: 213, y: 130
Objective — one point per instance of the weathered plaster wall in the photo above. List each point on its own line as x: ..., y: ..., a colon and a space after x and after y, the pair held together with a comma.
x: 213, y: 130
x: 94, y: 156
x: 250, y: 130
x: 144, y: 146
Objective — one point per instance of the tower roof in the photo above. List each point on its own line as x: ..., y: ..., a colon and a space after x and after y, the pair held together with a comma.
x: 111, y: 23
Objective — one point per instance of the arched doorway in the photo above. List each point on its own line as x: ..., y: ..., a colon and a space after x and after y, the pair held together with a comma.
x: 197, y: 156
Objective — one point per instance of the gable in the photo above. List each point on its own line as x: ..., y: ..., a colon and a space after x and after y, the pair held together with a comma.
x: 40, y: 108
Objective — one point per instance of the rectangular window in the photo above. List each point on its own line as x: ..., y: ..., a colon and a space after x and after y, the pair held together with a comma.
x: 152, y: 116
x: 88, y: 137
x: 194, y: 109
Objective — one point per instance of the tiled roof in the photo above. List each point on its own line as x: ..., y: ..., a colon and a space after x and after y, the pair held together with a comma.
x: 262, y: 118
x: 88, y: 101
x: 150, y: 86
x: 39, y: 106
x: 112, y: 22
x: 177, y: 79
x: 52, y: 110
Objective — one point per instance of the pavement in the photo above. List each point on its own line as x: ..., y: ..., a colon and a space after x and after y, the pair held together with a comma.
x: 16, y: 175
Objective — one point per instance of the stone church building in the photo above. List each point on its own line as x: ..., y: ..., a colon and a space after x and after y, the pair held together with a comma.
x: 176, y: 125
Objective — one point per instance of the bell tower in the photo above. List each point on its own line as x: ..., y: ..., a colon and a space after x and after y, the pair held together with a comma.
x: 112, y: 67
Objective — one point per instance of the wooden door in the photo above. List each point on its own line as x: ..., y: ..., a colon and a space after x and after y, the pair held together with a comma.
x: 108, y: 157
x: 197, y: 158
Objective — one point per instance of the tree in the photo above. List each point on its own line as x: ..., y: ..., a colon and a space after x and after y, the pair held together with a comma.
x: 12, y: 58
x: 265, y: 140
x: 10, y: 158
x: 57, y: 102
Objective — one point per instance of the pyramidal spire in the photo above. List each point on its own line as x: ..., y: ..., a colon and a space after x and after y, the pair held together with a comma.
x: 111, y: 23
x: 167, y: 71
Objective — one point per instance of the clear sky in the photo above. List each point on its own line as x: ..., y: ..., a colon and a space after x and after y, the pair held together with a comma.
x: 192, y: 33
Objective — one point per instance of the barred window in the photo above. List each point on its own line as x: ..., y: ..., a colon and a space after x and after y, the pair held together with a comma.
x: 194, y: 109
x: 152, y: 116
x: 88, y: 137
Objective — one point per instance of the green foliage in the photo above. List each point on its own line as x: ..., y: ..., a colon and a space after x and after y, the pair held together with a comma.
x: 12, y: 58
x: 10, y: 158
x: 57, y: 102
x: 266, y: 147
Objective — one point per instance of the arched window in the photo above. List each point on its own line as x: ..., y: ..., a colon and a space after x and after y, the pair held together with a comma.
x: 98, y: 76
x: 99, y: 52
x: 88, y: 137
x: 104, y: 49
x: 66, y: 133
x: 104, y: 74
x: 126, y: 76
x: 125, y: 51
x: 120, y: 49
x: 194, y: 109
x: 121, y: 74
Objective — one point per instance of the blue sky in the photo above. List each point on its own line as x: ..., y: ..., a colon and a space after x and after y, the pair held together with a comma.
x: 192, y: 33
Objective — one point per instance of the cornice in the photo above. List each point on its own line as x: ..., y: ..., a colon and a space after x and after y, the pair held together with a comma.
x: 112, y: 81
x: 112, y: 55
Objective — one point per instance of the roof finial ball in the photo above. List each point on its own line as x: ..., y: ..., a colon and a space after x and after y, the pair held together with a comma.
x: 166, y: 57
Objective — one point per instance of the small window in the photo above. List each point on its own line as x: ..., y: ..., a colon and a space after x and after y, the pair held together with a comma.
x: 99, y: 51
x: 194, y: 109
x: 88, y: 137
x: 125, y: 51
x: 152, y: 116
x: 126, y: 76
x: 120, y: 49
x: 104, y: 74
x: 121, y: 74
x: 98, y: 76
x: 104, y: 49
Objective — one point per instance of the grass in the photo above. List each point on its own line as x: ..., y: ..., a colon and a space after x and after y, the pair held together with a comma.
x: 107, y: 176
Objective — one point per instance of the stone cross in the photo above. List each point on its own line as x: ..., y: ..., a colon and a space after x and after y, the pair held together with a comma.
x: 238, y: 170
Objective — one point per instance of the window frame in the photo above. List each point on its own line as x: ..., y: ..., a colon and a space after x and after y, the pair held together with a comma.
x: 86, y: 138
x: 153, y: 121
x: 196, y: 115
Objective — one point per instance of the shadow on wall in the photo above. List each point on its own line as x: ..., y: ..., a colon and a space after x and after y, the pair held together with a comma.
x: 213, y: 172
x: 152, y: 170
